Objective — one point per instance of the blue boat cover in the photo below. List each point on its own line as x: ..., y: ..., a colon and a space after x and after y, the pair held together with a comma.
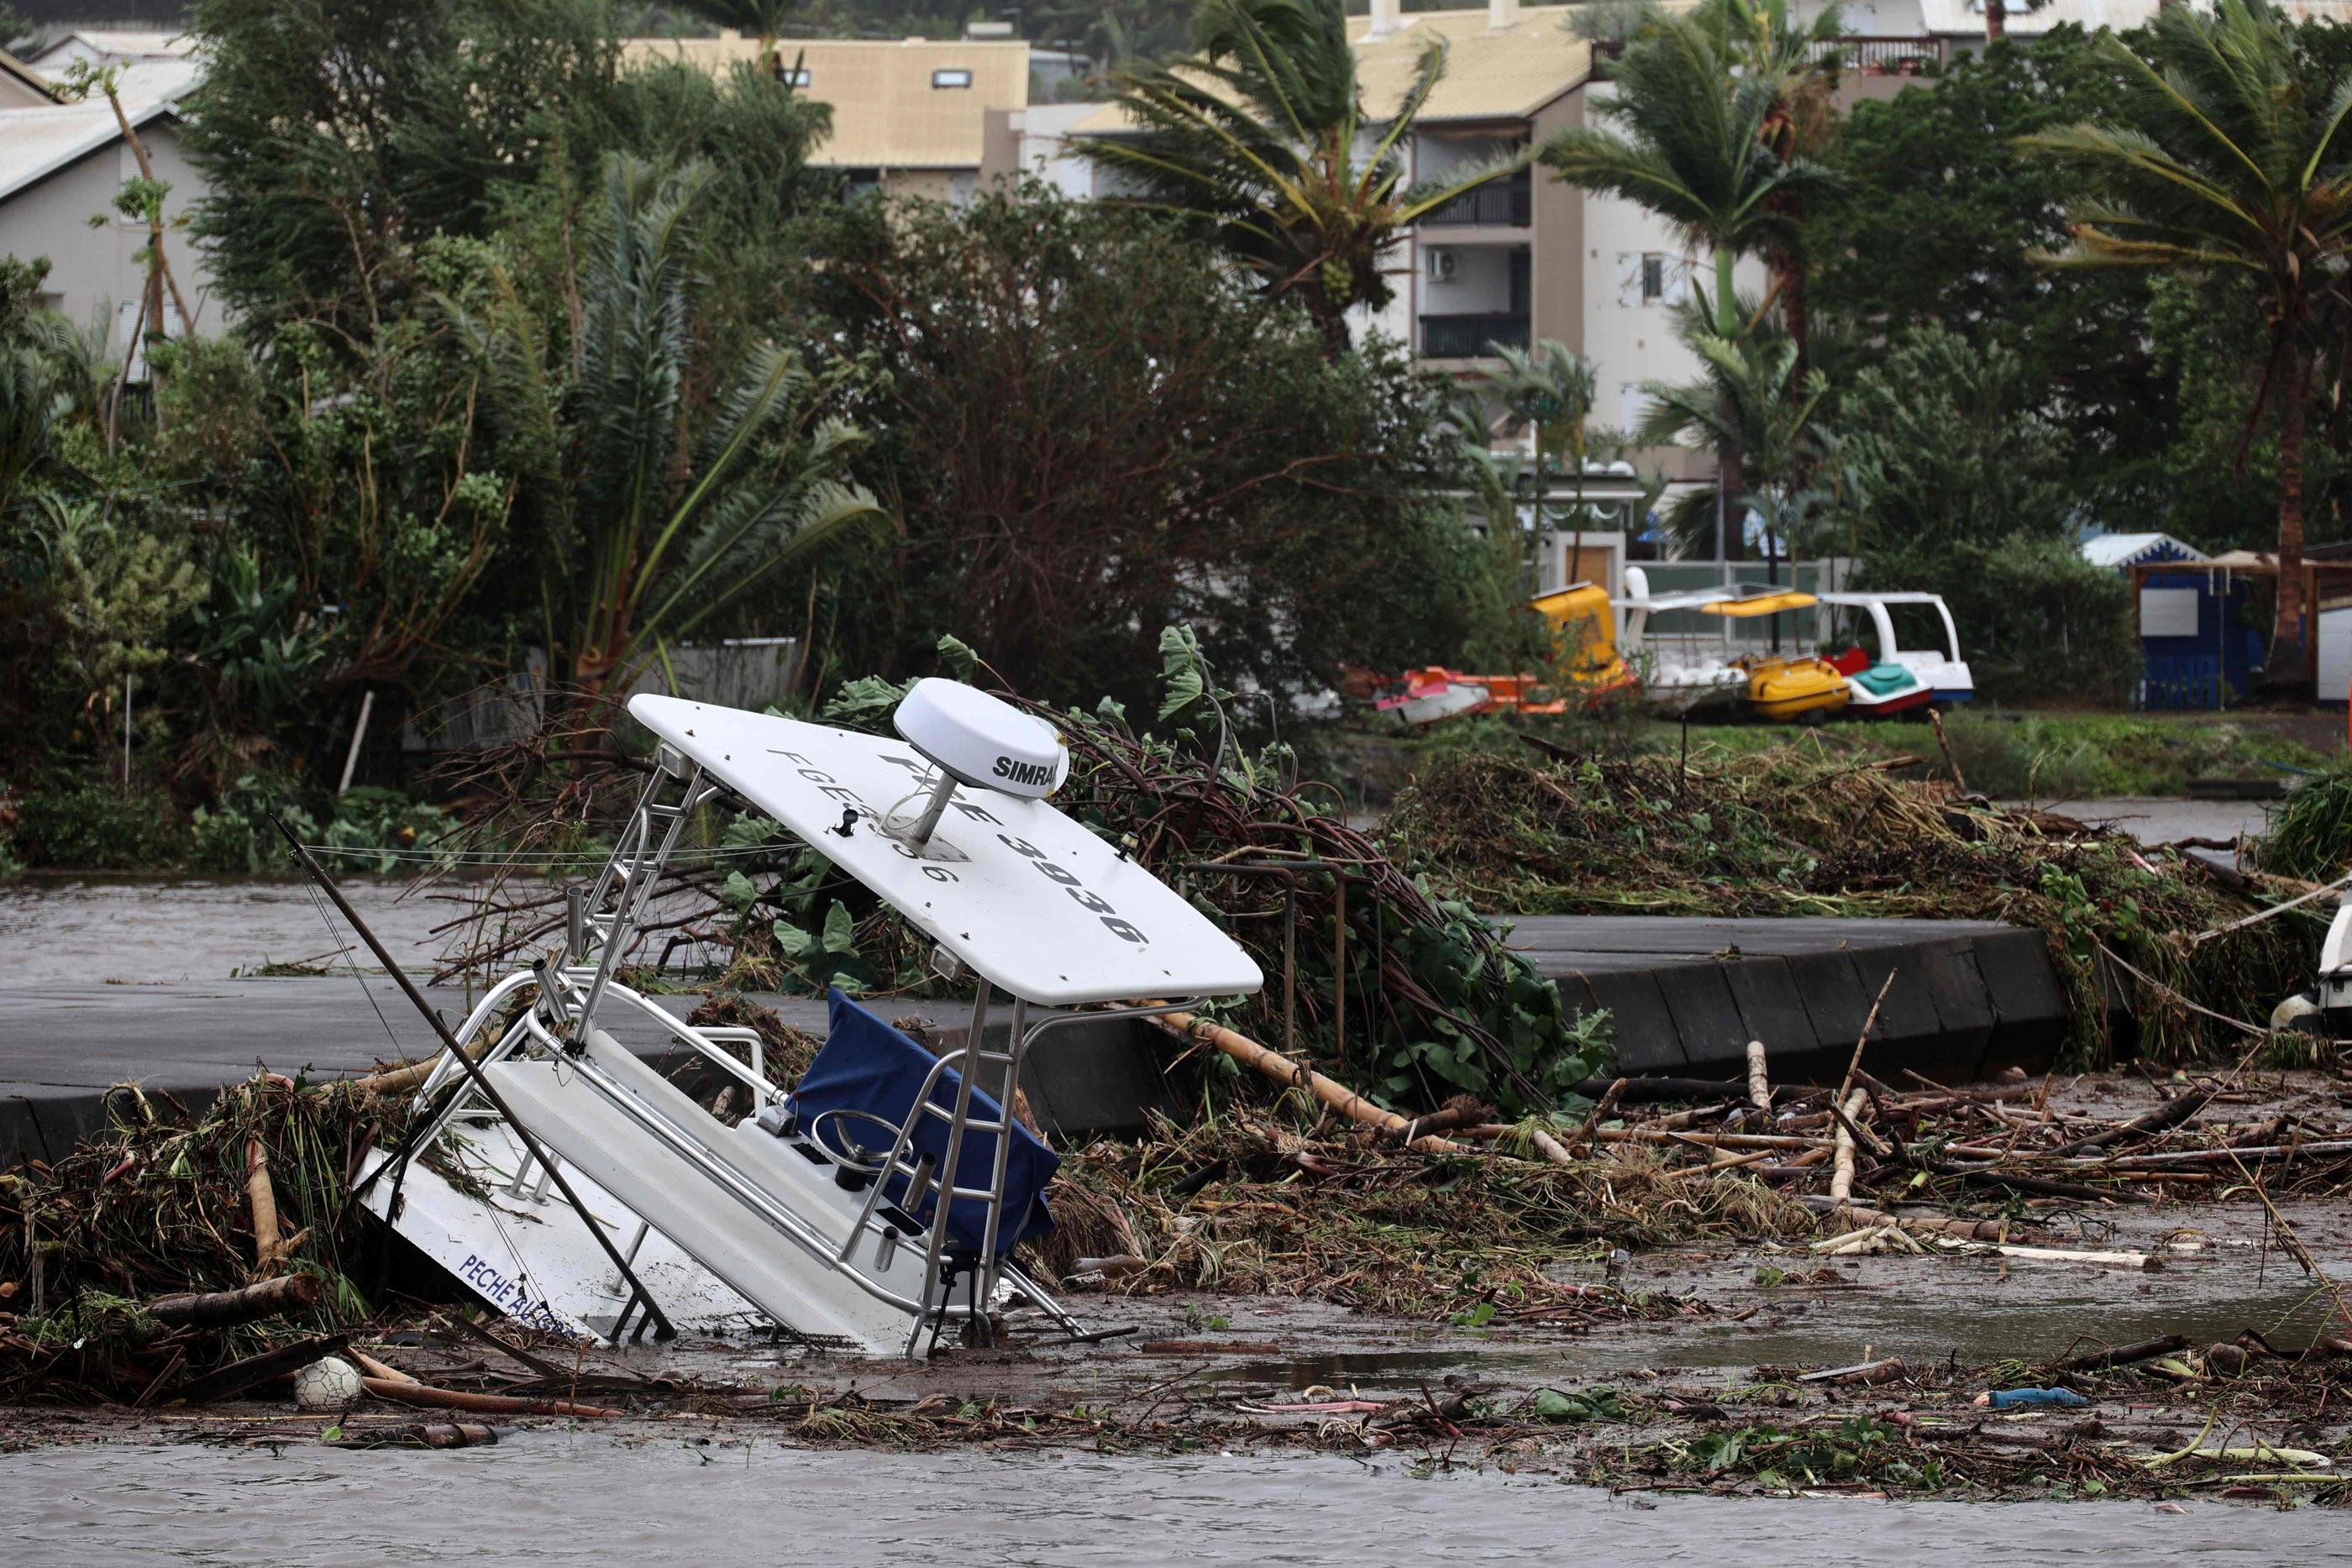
x: 866, y: 1065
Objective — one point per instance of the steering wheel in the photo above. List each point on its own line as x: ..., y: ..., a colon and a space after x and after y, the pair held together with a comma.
x: 852, y: 1154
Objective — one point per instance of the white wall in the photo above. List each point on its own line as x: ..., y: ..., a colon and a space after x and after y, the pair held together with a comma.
x: 1041, y: 129
x: 1631, y: 340
x: 1481, y: 284
x: 97, y: 268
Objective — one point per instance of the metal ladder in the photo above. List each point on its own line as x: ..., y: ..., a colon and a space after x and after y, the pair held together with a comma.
x: 600, y: 922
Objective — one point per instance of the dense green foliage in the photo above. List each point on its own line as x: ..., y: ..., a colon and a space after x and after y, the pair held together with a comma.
x: 544, y: 362
x: 1091, y: 432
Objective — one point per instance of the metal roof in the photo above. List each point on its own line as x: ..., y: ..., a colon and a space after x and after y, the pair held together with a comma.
x: 2130, y: 549
x: 35, y: 143
x: 886, y: 112
x: 1490, y: 75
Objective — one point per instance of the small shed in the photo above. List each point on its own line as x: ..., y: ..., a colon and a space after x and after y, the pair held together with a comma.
x: 2197, y: 649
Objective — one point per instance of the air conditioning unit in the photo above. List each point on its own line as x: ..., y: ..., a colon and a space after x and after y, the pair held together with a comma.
x: 1442, y: 264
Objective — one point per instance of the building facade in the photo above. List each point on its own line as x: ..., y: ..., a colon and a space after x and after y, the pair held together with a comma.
x: 60, y: 167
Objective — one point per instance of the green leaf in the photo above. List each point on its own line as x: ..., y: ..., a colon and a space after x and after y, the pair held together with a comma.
x: 957, y: 656
x: 738, y: 892
x: 840, y: 930
x: 791, y: 941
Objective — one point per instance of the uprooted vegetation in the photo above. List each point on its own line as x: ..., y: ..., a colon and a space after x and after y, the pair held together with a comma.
x: 1796, y: 832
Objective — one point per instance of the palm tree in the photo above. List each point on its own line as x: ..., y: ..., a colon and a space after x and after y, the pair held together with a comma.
x: 1748, y: 400
x: 1260, y: 136
x: 1759, y: 40
x: 1694, y: 152
x: 1549, y: 389
x: 2225, y: 162
x: 673, y: 524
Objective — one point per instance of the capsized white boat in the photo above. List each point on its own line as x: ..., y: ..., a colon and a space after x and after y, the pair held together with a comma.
x: 881, y: 1195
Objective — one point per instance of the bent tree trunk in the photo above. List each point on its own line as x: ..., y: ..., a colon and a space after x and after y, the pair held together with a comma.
x: 2287, y: 666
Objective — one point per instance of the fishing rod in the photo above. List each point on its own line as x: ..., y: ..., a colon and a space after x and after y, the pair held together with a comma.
x: 488, y: 1091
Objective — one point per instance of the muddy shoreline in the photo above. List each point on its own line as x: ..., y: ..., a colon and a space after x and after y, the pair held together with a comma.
x: 1685, y: 1367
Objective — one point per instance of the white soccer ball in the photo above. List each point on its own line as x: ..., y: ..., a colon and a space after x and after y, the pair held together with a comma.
x: 328, y: 1383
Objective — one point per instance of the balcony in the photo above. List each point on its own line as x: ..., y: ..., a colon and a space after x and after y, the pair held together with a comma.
x: 1470, y: 337
x: 1507, y: 203
x: 1880, y: 57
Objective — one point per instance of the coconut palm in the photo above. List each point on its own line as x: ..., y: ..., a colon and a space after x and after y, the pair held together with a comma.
x: 676, y: 505
x: 1549, y: 389
x: 2226, y: 162
x: 1693, y: 148
x: 1261, y: 137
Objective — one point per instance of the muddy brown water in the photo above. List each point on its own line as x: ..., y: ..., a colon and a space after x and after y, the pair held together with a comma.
x: 560, y: 1498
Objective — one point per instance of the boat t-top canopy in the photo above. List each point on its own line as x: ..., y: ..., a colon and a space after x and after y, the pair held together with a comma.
x: 1021, y: 893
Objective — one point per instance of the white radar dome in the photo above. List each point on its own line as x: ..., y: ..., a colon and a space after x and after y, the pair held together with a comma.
x: 982, y: 741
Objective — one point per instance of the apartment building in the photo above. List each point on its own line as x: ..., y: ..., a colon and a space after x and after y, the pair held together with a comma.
x: 1519, y: 260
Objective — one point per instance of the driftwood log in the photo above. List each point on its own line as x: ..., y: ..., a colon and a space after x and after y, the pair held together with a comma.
x: 224, y: 1309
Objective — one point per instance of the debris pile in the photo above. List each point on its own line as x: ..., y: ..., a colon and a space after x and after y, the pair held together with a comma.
x: 1798, y: 831
x: 171, y: 1249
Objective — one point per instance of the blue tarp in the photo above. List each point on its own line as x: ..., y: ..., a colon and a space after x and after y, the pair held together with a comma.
x: 866, y: 1065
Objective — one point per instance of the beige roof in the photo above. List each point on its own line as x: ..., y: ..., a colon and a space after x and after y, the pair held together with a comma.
x: 886, y: 112
x: 1489, y: 75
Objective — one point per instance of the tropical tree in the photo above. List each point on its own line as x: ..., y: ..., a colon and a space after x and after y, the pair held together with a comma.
x: 1693, y: 150
x: 1260, y: 137
x: 1747, y: 400
x: 37, y: 355
x: 2227, y: 161
x: 1550, y: 391
x: 1761, y: 41
x: 675, y: 504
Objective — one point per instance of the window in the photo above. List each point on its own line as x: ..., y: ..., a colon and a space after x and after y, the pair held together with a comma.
x: 952, y: 79
x: 1654, y: 277
x: 793, y: 76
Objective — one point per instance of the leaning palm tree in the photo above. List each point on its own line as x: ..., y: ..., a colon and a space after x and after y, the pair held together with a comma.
x: 675, y: 506
x: 2227, y: 162
x: 1692, y: 149
x: 1261, y: 138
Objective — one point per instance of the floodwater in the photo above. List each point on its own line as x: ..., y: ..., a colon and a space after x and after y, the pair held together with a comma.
x: 144, y: 929
x: 139, y: 930
x: 576, y: 1497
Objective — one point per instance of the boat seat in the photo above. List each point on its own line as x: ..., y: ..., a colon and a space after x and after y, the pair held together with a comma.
x: 870, y: 1069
